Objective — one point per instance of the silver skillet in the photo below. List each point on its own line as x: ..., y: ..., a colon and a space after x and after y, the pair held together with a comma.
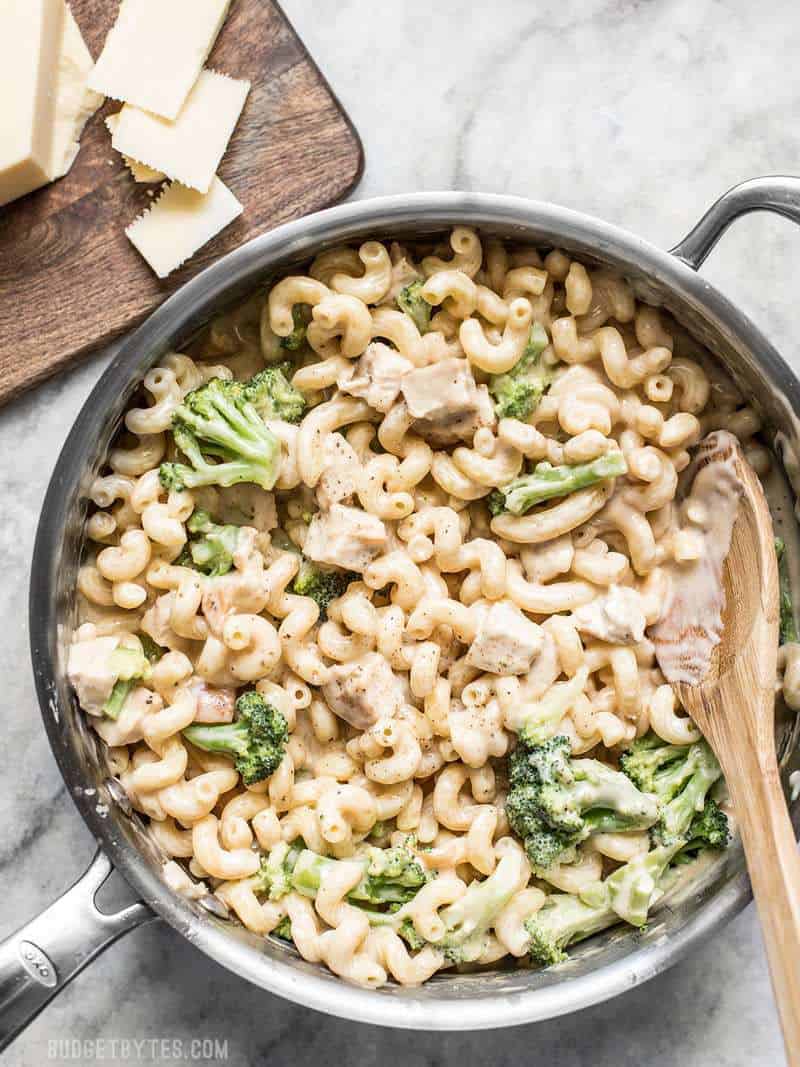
x: 43, y: 956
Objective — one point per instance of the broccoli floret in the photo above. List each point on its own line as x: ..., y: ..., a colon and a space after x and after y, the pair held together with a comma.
x: 391, y: 876
x: 678, y: 776
x: 546, y: 482
x: 301, y: 316
x: 274, y: 876
x: 409, y: 934
x: 321, y: 585
x: 129, y: 665
x: 256, y: 740
x: 708, y: 829
x: 413, y: 303
x: 517, y: 392
x: 555, y: 802
x: 273, y: 395
x: 788, y: 626
x: 212, y: 550
x: 647, y: 763
x: 496, y: 502
x: 563, y: 920
x: 466, y: 922
x: 219, y: 420
x: 152, y: 651
x: 284, y: 929
x: 635, y: 887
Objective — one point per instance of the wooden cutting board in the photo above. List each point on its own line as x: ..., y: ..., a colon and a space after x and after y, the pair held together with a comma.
x: 69, y: 278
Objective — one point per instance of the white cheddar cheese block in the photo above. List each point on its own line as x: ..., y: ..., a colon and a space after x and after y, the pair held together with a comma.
x: 75, y: 104
x: 180, y: 222
x: 189, y: 149
x: 31, y: 31
x: 155, y: 51
x: 140, y: 172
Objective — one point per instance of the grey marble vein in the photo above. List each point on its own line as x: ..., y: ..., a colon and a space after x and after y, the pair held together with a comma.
x: 640, y: 111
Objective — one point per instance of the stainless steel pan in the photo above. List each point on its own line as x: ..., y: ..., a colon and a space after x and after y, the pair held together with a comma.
x: 42, y: 957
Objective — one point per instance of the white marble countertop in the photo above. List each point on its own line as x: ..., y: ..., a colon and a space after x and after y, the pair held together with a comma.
x: 640, y: 112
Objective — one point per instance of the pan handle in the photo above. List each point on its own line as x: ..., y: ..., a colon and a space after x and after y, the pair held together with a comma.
x: 779, y: 194
x: 43, y: 956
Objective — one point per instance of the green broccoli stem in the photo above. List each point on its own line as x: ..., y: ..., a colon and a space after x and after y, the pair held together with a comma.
x: 633, y: 888
x: 116, y: 701
x: 228, y: 739
x: 129, y: 665
x: 546, y: 482
x: 788, y: 626
x: 564, y: 920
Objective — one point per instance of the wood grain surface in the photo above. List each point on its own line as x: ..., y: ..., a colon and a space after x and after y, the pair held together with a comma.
x: 69, y: 278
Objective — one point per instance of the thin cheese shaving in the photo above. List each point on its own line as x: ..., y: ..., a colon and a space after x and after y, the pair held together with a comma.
x: 155, y: 51
x: 180, y: 222
x: 139, y: 171
x: 190, y: 149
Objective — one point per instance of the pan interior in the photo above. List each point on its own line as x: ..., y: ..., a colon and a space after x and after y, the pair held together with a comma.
x: 597, y: 968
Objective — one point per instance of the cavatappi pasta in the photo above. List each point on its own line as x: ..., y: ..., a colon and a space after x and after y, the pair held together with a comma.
x: 456, y: 621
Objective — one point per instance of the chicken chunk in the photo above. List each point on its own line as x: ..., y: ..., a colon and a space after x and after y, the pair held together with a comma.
x: 363, y: 690
x: 156, y: 624
x: 341, y: 473
x: 506, y: 642
x: 214, y: 703
x: 345, y: 537
x: 617, y: 616
x: 91, y: 673
x: 377, y: 375
x: 403, y: 272
x: 445, y: 402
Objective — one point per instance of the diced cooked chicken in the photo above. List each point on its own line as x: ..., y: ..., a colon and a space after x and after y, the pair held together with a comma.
x: 91, y: 673
x: 617, y: 616
x: 214, y: 703
x: 506, y: 642
x: 445, y: 402
x: 340, y: 475
x: 376, y: 377
x: 241, y: 591
x: 363, y: 690
x: 403, y: 272
x: 156, y: 624
x: 345, y: 537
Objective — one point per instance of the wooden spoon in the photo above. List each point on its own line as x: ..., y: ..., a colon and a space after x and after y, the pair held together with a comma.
x: 734, y: 706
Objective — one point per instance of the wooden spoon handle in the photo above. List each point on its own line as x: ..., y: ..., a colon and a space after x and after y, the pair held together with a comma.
x: 773, y: 861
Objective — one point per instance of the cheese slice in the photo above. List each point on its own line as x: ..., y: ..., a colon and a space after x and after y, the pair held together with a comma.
x: 155, y: 51
x: 189, y: 149
x: 180, y: 222
x: 31, y: 31
x: 140, y: 172
x: 75, y: 104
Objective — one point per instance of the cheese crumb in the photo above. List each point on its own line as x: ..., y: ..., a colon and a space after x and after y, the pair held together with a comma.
x: 155, y: 51
x: 188, y: 150
x: 180, y: 222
